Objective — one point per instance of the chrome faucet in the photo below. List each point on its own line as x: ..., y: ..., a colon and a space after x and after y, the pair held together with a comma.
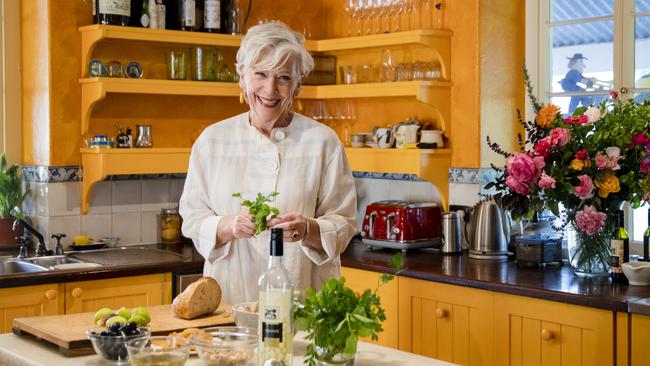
x: 41, y: 249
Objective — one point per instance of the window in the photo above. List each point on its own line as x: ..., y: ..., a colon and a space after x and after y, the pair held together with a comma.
x: 577, y: 51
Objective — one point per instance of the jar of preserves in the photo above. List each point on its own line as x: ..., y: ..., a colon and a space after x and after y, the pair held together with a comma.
x: 170, y: 226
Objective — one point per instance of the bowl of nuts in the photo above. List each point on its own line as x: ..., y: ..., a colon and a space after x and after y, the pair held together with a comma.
x: 228, y: 346
x: 158, y: 350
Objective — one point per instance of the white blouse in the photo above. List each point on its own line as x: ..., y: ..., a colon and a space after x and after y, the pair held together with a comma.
x: 305, y: 163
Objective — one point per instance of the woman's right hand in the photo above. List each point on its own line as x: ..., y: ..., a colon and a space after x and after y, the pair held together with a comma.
x: 238, y: 226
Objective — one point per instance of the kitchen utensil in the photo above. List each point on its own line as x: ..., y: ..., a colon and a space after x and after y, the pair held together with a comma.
x: 402, y: 225
x: 451, y: 233
x: 490, y: 232
x: 538, y: 249
x: 144, y: 138
x: 385, y: 137
x: 431, y: 136
x: 68, y: 331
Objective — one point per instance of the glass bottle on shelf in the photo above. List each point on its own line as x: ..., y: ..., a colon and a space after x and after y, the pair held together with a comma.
x: 187, y: 14
x: 145, y: 18
x: 275, y: 322
x: 199, y: 15
x: 230, y: 22
x: 212, y: 16
x: 112, y: 12
x: 157, y: 13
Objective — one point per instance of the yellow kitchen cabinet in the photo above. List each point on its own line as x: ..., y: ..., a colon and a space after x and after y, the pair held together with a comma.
x: 639, y: 339
x: 538, y: 332
x: 446, y: 322
x: 359, y: 281
x: 146, y: 290
x: 20, y: 302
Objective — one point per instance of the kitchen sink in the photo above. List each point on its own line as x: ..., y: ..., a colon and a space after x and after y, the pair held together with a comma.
x: 8, y: 267
x: 128, y: 255
x: 51, y: 261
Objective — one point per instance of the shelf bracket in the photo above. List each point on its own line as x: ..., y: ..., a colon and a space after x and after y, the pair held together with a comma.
x: 92, y: 172
x: 88, y: 41
x: 91, y: 93
x: 431, y: 94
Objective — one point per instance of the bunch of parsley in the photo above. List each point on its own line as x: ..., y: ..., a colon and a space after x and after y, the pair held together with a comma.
x: 259, y: 210
x: 335, y: 316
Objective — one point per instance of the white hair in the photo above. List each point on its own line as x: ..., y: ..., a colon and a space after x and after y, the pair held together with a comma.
x: 276, y: 40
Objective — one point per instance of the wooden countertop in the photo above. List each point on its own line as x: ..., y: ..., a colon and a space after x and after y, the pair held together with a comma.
x: 550, y: 283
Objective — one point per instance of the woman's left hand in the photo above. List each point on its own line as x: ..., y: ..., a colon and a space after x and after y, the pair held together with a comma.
x: 293, y: 224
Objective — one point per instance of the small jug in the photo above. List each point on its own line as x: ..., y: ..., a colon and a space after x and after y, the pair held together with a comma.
x: 144, y: 138
x: 406, y: 134
x: 385, y: 137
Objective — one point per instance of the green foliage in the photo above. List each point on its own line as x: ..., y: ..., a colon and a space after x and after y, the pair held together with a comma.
x: 260, y: 212
x: 335, y: 316
x: 11, y: 191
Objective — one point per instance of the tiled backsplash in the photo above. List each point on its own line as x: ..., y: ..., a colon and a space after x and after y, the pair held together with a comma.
x: 129, y: 207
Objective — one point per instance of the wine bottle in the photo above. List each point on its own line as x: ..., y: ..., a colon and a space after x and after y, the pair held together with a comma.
x: 212, y: 16
x: 157, y: 14
x: 620, y: 249
x: 113, y: 12
x: 187, y: 14
x: 646, y: 241
x: 275, y: 302
x: 145, y: 18
x: 198, y: 15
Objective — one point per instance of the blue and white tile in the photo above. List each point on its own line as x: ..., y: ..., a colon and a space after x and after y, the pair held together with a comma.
x: 64, y: 198
x: 155, y: 194
x: 100, y: 198
x: 68, y: 225
x: 126, y: 226
x: 150, y: 223
x: 96, y: 226
x: 64, y: 174
x: 175, y: 191
x: 126, y: 196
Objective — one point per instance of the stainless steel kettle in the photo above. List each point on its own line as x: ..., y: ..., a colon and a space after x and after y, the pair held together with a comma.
x: 490, y: 231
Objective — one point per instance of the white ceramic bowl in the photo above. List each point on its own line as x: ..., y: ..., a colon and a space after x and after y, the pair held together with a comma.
x: 637, y: 273
x: 245, y: 314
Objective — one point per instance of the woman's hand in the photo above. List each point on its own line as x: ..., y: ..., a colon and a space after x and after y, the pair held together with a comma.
x: 238, y: 226
x: 293, y: 224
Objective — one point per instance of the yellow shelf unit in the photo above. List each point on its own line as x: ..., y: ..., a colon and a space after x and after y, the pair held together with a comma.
x: 431, y: 165
x: 94, y: 90
x: 438, y: 40
x: 100, y: 163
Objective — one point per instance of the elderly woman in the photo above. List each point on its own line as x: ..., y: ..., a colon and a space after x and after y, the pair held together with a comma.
x: 270, y: 148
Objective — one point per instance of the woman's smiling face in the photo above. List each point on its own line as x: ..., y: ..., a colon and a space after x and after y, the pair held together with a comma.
x: 270, y: 93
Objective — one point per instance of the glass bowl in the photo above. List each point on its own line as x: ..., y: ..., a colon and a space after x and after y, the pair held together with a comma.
x: 158, y: 350
x: 232, y: 346
x: 245, y: 314
x: 113, y: 348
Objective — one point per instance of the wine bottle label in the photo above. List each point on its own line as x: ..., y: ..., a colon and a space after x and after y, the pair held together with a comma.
x: 212, y: 14
x: 188, y: 12
x: 116, y: 7
x: 144, y: 20
x: 162, y: 13
x: 617, y: 254
x: 276, y: 335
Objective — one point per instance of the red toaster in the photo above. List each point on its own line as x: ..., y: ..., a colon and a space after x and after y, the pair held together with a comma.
x: 402, y: 225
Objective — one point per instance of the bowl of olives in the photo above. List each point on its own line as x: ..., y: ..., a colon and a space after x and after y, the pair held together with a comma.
x: 110, y: 343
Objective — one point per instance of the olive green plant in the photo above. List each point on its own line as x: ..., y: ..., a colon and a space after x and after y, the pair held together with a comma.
x: 12, y: 193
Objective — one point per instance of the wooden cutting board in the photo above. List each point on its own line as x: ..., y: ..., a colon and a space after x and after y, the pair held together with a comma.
x: 68, y: 332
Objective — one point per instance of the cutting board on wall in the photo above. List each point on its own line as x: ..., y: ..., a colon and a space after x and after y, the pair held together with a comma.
x: 68, y: 332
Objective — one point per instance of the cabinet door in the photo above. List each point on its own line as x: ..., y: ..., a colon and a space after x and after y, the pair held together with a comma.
x: 359, y: 281
x: 20, y: 302
x: 640, y: 339
x: 88, y: 296
x: 445, y: 322
x: 538, y: 332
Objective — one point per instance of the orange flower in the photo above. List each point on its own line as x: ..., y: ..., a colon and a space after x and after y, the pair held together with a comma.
x: 608, y: 184
x: 547, y: 115
x: 577, y: 164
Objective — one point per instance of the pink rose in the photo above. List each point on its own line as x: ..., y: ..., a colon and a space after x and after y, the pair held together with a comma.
x: 585, y: 190
x: 523, y: 171
x: 546, y: 181
x: 590, y: 221
x: 645, y: 165
x: 640, y: 139
x: 576, y: 120
x: 543, y: 146
x: 560, y: 136
x: 593, y: 114
x: 610, y: 160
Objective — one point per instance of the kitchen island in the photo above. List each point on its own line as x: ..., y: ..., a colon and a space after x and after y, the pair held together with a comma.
x: 27, y: 351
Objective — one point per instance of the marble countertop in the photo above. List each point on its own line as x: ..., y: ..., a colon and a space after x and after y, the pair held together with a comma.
x: 27, y: 351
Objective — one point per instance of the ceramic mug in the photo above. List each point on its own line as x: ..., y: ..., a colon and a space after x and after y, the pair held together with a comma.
x: 385, y: 137
x: 431, y: 136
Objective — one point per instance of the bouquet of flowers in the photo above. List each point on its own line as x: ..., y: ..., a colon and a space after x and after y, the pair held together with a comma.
x: 580, y: 167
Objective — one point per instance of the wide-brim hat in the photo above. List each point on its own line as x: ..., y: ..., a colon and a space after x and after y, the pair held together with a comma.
x: 577, y: 56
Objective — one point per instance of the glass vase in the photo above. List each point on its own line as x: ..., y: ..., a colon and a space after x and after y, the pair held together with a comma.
x: 327, y: 357
x: 588, y: 254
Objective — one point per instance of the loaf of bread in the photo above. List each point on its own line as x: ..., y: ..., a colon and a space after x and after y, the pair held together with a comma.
x: 199, y: 298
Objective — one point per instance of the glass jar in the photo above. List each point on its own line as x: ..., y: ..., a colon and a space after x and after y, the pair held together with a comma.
x: 170, y: 226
